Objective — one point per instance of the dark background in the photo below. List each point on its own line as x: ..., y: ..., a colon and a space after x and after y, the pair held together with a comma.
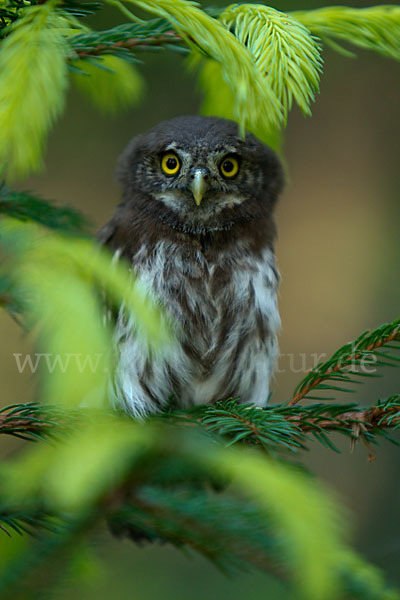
x: 338, y: 253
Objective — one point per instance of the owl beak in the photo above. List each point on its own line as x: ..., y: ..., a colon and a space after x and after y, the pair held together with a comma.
x: 198, y: 184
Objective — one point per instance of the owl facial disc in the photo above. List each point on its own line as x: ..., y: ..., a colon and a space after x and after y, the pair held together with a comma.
x: 198, y: 184
x: 198, y: 175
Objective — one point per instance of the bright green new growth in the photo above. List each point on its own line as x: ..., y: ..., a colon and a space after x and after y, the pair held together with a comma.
x: 277, y: 490
x: 102, y: 457
x: 260, y: 60
x: 283, y: 50
x: 110, y: 82
x: 257, y: 60
x: 285, y: 54
x: 73, y: 476
x: 253, y: 94
x: 32, y: 85
x: 219, y: 100
x: 374, y: 28
x: 59, y: 276
x: 9, y: 11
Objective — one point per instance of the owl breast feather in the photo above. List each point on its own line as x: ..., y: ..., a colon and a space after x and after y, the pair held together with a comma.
x: 225, y: 319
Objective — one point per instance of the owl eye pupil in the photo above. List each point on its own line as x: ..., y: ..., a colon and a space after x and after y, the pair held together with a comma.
x: 228, y: 166
x: 171, y: 163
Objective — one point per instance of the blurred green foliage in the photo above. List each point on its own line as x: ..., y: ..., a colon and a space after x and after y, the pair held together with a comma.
x: 258, y: 60
x: 166, y: 479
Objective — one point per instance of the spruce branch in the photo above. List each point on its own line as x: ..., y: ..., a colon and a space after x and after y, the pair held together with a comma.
x: 156, y: 479
x: 283, y: 49
x: 35, y: 422
x: 229, y: 531
x: 24, y: 421
x: 35, y: 47
x: 111, y: 82
x: 258, y: 60
x: 208, y: 36
x: 28, y: 207
x: 351, y: 360
x: 25, y: 206
x: 152, y: 35
x: 268, y: 428
x: 372, y: 28
x: 281, y: 427
x: 385, y: 414
x: 57, y: 541
x: 80, y: 9
x: 275, y: 429
x: 203, y: 521
x: 9, y: 300
x: 9, y: 12
x: 353, y: 421
x: 140, y: 484
x: 26, y: 522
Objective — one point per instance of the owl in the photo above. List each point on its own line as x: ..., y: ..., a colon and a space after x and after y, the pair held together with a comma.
x: 196, y: 225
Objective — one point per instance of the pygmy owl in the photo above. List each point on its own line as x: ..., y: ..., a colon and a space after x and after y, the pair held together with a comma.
x: 196, y: 224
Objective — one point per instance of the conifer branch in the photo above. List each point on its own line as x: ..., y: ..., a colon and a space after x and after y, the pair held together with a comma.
x: 9, y: 302
x: 283, y: 50
x: 25, y: 522
x: 350, y: 360
x: 28, y: 207
x: 258, y: 60
x: 166, y: 496
x: 152, y: 35
x: 280, y: 427
x: 192, y: 517
x: 276, y: 428
x: 34, y: 422
x: 25, y: 206
x: 385, y: 414
x: 57, y: 540
x: 37, y: 48
x: 373, y: 28
x: 153, y: 481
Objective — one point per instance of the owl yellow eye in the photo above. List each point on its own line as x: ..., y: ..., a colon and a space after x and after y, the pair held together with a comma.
x: 170, y: 163
x: 229, y: 167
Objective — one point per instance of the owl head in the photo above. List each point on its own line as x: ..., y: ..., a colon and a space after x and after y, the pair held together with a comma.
x: 198, y: 175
